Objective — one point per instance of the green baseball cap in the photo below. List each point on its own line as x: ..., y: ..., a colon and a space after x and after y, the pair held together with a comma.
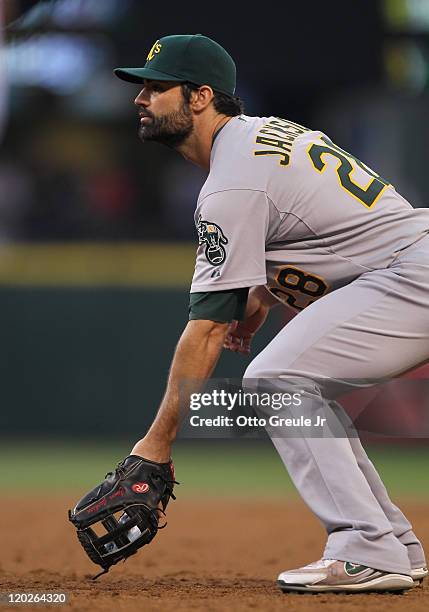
x: 186, y: 57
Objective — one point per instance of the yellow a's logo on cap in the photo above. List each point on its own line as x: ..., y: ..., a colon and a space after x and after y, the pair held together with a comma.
x: 155, y: 49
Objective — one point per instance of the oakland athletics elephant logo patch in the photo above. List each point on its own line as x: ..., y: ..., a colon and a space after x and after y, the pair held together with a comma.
x: 212, y: 236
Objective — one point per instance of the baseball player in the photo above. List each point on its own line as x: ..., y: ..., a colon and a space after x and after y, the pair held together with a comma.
x: 286, y: 215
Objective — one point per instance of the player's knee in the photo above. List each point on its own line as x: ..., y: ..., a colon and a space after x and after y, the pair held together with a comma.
x: 262, y: 368
x: 255, y: 370
x: 260, y: 375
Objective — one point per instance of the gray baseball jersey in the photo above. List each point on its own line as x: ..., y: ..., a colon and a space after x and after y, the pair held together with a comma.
x: 284, y: 206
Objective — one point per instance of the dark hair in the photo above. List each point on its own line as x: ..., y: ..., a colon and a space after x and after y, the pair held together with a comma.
x: 231, y: 106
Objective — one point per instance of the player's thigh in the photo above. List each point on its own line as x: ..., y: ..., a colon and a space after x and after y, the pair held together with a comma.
x: 368, y: 329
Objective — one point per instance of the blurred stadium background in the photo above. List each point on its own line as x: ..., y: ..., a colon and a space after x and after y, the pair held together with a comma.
x: 97, y: 238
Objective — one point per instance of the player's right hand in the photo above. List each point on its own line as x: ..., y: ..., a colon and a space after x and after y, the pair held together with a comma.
x: 238, y: 340
x: 240, y: 333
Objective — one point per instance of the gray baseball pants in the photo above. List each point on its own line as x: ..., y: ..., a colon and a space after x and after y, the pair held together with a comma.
x: 376, y: 327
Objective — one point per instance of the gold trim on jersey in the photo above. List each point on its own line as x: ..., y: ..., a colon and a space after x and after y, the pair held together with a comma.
x: 278, y: 134
x: 311, y: 286
x: 342, y: 158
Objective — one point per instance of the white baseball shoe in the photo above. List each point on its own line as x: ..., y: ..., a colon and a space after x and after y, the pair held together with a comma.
x: 341, y: 576
x: 419, y: 574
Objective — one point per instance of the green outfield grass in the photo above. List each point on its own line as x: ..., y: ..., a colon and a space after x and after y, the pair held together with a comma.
x: 212, y: 468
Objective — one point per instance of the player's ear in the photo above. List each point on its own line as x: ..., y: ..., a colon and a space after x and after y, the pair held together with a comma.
x: 201, y: 98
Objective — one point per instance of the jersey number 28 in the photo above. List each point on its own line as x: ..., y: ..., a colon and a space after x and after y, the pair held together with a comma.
x: 366, y: 195
x: 297, y: 288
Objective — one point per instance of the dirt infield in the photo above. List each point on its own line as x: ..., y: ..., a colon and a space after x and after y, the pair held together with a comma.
x: 218, y: 555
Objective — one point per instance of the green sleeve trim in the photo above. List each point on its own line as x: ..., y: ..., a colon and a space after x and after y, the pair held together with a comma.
x: 219, y: 306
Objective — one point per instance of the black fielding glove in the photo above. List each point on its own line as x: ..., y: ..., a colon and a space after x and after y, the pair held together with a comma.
x: 139, y: 490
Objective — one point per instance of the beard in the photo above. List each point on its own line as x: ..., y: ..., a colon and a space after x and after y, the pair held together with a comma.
x: 171, y: 129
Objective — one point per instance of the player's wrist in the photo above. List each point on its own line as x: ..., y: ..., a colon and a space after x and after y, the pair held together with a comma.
x: 153, y: 448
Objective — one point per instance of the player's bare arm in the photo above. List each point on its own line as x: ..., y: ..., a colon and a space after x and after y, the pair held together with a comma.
x: 196, y: 356
x: 142, y: 484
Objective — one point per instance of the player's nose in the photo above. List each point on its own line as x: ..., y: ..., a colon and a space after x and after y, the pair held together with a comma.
x: 142, y: 98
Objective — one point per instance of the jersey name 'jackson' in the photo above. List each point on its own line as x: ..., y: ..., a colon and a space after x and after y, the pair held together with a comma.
x: 286, y: 207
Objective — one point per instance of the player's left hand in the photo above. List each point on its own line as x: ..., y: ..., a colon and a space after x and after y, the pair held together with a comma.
x: 139, y: 490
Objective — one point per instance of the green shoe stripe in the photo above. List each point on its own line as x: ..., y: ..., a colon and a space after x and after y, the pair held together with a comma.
x: 352, y: 569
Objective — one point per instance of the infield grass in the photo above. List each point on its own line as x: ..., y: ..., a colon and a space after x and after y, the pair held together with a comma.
x: 210, y: 468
